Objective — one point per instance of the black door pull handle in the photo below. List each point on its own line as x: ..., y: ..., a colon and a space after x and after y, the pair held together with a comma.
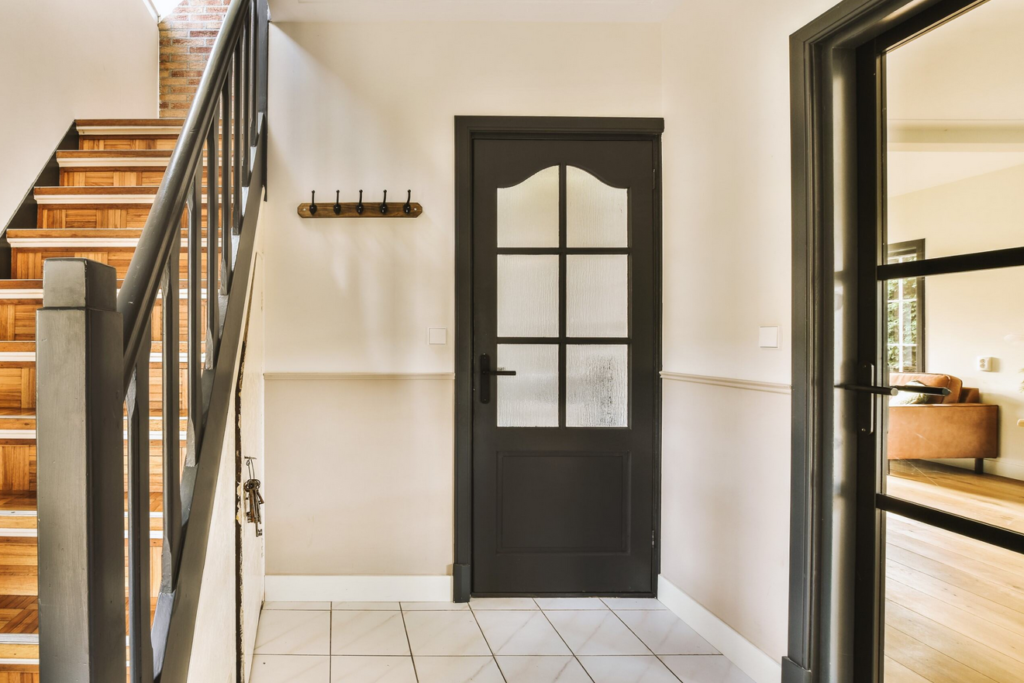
x: 485, y: 377
x: 892, y: 391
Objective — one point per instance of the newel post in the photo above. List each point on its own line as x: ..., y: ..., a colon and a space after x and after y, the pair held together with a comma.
x: 80, y: 474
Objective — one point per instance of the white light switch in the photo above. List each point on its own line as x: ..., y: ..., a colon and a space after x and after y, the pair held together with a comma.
x: 437, y: 336
x: 768, y: 338
x: 986, y: 364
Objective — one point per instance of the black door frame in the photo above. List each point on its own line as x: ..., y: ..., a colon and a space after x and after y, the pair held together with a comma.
x: 467, y: 130
x: 835, y: 561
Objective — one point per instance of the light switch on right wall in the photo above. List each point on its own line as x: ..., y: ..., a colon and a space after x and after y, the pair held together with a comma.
x: 768, y: 337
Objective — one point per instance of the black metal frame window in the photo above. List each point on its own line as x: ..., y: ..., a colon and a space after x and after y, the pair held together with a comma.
x: 905, y: 316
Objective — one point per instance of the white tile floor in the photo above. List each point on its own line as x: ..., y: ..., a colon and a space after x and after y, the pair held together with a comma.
x: 491, y: 640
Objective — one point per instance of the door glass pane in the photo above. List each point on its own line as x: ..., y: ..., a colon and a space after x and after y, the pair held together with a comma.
x: 595, y: 213
x: 530, y: 398
x: 527, y: 296
x: 955, y: 162
x: 597, y: 295
x: 528, y: 212
x: 597, y: 385
x: 954, y: 607
x: 971, y: 330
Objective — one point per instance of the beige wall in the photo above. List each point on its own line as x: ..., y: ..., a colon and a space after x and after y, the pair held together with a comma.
x: 725, y: 512
x: 974, y: 314
x: 67, y: 60
x: 359, y: 471
x: 359, y: 476
x: 726, y: 454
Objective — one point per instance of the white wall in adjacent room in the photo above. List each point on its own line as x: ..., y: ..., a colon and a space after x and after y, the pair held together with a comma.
x: 67, y: 60
x: 364, y: 465
x: 973, y: 314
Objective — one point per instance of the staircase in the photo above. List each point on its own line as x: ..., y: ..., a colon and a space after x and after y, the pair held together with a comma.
x: 128, y: 400
x: 98, y: 211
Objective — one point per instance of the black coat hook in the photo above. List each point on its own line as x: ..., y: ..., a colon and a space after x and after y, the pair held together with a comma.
x: 384, y: 204
x: 408, y: 205
x: 312, y: 204
x: 359, y: 206
x: 337, y: 203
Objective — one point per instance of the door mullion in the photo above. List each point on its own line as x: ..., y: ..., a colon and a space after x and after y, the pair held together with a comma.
x: 562, y: 240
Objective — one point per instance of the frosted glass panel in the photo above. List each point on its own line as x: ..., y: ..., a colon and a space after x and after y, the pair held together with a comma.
x: 528, y: 212
x: 597, y: 386
x: 597, y: 295
x: 530, y: 398
x: 595, y: 213
x: 527, y: 296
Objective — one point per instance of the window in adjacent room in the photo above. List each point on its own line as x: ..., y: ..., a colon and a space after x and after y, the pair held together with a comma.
x: 905, y: 323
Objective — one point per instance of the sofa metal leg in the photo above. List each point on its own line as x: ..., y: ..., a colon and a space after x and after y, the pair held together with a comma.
x: 979, y: 465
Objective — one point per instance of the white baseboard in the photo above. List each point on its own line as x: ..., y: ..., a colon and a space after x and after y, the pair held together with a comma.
x: 740, y: 651
x: 286, y: 588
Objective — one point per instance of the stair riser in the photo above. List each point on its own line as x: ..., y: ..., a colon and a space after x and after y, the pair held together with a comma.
x: 94, y: 215
x: 18, y: 319
x: 18, y: 465
x: 27, y: 262
x: 18, y: 388
x: 116, y: 176
x: 19, y: 572
x: 118, y: 142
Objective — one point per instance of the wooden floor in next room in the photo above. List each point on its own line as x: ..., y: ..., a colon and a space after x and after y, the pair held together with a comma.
x: 954, y: 606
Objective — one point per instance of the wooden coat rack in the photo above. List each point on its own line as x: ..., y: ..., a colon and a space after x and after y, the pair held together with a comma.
x: 337, y: 209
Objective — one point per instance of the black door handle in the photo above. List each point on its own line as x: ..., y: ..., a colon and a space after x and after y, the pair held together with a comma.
x: 485, y: 377
x: 892, y: 391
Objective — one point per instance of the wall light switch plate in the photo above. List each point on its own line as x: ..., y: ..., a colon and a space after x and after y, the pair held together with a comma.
x: 768, y: 337
x: 437, y: 336
x: 986, y: 364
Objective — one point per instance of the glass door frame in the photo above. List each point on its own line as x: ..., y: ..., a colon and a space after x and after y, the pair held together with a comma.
x: 873, y: 271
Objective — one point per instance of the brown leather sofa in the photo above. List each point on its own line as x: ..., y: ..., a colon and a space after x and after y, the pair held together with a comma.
x: 954, y: 426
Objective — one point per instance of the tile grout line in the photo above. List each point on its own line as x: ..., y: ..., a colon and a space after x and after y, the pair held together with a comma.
x: 622, y: 621
x: 487, y: 642
x: 408, y: 641
x: 330, y: 642
x: 574, y: 656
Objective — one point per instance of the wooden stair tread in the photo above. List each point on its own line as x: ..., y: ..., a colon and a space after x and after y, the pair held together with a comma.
x: 142, y: 123
x: 96, y: 190
x: 69, y: 233
x: 126, y: 154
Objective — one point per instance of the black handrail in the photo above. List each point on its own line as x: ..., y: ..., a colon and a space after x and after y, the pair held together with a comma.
x: 79, y: 423
x: 161, y: 233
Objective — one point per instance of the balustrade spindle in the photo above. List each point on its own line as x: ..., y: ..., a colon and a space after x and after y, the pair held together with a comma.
x: 225, y: 199
x: 212, y: 258
x: 138, y: 519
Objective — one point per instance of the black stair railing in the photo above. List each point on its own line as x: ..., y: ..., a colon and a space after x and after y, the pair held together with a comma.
x: 93, y: 376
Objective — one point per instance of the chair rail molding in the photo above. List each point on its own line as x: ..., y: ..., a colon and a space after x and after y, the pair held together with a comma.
x: 728, y: 382
x: 358, y: 376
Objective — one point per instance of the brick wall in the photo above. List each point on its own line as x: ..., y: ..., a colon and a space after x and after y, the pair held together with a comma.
x: 186, y: 38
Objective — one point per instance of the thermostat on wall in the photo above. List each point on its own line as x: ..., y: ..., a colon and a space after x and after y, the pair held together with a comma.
x: 768, y: 337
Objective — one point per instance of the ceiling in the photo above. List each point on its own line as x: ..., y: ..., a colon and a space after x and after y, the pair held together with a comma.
x: 955, y: 99
x: 971, y: 68
x: 473, y: 10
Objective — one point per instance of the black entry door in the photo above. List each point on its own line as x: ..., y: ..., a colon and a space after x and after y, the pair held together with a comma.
x: 564, y: 348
